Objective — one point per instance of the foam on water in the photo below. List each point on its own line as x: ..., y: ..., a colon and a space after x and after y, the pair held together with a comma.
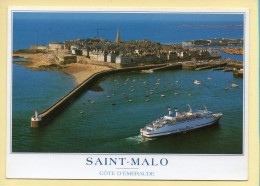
x: 139, y: 139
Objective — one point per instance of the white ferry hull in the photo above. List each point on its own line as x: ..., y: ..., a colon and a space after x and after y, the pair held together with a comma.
x: 181, y: 127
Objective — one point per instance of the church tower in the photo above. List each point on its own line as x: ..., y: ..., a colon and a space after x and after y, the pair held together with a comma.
x: 118, y: 36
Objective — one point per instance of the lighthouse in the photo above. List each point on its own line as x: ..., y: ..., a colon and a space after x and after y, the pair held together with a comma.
x: 35, y: 119
x: 36, y: 114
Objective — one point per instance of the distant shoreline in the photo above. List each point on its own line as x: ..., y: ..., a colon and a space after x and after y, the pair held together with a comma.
x: 211, y: 26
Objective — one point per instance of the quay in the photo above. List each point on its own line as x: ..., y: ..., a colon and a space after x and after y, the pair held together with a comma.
x: 227, y: 69
x: 200, y: 66
x: 238, y: 72
x: 51, y: 112
x: 167, y: 67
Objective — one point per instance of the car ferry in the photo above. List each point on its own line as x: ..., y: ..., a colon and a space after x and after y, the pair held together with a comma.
x: 176, y: 122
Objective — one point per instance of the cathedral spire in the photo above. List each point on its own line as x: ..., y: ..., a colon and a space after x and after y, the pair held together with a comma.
x: 118, y: 36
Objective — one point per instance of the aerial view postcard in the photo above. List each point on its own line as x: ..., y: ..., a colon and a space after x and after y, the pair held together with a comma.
x: 128, y: 95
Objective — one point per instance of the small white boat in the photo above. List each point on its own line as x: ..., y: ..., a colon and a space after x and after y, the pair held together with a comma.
x: 92, y: 102
x: 196, y: 82
x: 130, y: 100
x: 226, y: 88
x: 209, y: 78
x: 147, y: 100
x: 108, y: 96
x: 176, y: 93
x: 162, y: 95
x: 81, y: 112
x: 234, y: 85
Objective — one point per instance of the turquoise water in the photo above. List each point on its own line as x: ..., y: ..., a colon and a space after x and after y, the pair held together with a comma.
x: 33, y: 90
x: 19, y: 60
x: 112, y: 125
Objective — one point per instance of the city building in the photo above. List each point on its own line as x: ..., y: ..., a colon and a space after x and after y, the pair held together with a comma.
x: 56, y: 45
x: 123, y: 59
x: 111, y: 57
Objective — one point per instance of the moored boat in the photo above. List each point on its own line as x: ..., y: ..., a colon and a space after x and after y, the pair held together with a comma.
x: 196, y: 82
x: 234, y: 85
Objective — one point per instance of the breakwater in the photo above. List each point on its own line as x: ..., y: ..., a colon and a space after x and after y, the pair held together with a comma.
x: 193, y: 66
x: 51, y: 112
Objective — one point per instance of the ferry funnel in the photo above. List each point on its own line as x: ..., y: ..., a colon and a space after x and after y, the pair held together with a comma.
x: 189, y: 108
x: 176, y: 112
x: 170, y: 111
x: 206, y: 110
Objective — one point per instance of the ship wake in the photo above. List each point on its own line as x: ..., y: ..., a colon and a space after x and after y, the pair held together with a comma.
x: 139, y: 139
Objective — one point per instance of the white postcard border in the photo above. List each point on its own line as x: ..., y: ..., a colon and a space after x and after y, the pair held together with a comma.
x: 179, y: 167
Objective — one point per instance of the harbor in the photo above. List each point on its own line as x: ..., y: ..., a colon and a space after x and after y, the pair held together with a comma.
x: 52, y: 111
x: 87, y: 119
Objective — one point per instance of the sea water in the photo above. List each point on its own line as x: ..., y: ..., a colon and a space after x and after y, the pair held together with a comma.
x: 112, y: 124
x: 42, y: 28
x: 33, y: 90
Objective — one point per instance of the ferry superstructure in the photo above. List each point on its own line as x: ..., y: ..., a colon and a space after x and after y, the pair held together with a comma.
x: 179, y: 122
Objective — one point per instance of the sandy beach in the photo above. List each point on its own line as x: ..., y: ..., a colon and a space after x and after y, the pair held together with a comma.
x: 82, y: 71
x: 45, y: 61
